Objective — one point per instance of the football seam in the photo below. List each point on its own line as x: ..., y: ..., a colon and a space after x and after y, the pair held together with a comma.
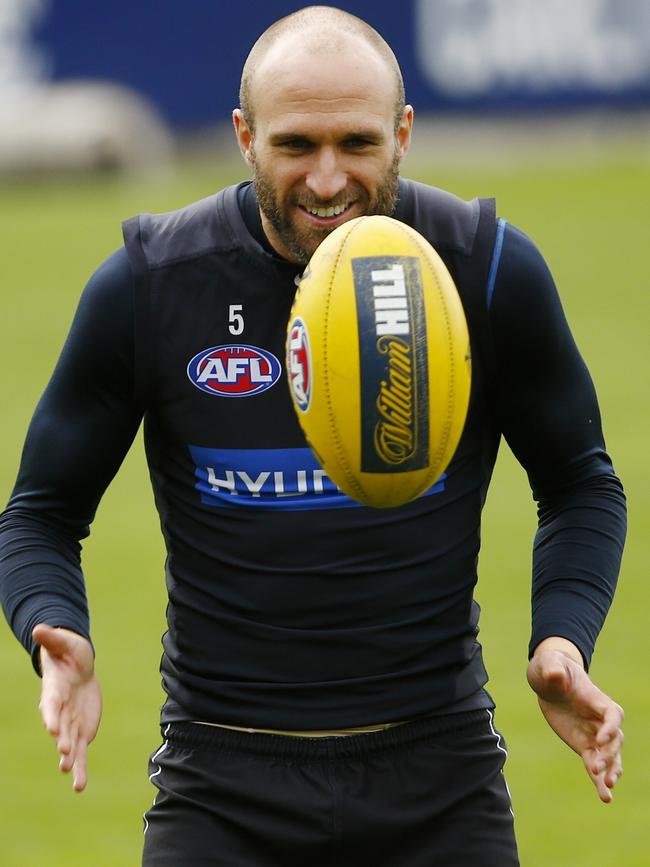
x: 353, y: 482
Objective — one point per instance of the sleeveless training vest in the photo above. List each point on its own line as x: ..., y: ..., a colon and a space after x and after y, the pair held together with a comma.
x: 291, y: 606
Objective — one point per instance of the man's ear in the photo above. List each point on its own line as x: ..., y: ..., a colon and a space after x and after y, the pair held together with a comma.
x: 243, y: 134
x: 404, y: 130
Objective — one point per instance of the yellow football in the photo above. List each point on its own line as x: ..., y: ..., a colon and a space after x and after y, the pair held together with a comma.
x: 378, y: 361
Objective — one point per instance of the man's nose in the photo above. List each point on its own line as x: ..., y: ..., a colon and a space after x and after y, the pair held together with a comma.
x: 326, y: 178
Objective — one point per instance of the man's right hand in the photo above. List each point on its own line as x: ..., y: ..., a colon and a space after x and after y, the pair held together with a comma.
x: 71, y: 699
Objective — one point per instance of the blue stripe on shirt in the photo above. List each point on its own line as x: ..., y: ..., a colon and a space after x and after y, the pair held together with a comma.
x: 496, y: 258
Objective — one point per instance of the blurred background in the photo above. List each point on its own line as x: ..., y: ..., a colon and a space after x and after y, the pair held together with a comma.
x: 107, y: 110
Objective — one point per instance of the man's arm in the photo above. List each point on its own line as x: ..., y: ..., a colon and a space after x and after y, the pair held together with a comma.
x: 80, y: 433
x: 547, y: 408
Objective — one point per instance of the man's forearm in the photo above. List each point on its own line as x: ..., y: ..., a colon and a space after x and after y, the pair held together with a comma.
x: 40, y: 578
x: 576, y: 560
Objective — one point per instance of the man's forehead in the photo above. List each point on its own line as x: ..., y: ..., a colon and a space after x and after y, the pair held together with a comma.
x: 339, y: 120
x: 324, y: 94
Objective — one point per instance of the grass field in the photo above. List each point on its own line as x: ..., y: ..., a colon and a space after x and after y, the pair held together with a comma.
x: 590, y: 219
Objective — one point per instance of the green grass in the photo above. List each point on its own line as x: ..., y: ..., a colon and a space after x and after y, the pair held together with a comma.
x: 591, y: 223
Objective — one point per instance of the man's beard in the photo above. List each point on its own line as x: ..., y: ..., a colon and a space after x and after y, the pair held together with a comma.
x: 302, y: 243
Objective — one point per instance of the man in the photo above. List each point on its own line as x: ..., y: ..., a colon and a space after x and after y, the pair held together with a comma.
x: 326, y: 700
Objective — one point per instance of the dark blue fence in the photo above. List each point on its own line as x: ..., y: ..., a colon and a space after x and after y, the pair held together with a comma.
x: 186, y: 55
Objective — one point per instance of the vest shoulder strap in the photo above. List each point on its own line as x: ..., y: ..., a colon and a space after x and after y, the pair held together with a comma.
x: 465, y: 236
x: 131, y: 230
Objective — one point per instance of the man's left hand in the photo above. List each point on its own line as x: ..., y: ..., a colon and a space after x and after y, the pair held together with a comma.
x: 581, y: 714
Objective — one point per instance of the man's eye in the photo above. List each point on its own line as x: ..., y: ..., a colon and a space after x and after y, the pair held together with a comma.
x: 357, y: 143
x: 297, y: 144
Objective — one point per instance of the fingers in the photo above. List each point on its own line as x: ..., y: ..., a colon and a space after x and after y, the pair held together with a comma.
x: 56, y: 718
x: 75, y: 760
x: 610, y: 729
x: 50, y: 711
x: 604, y: 793
x: 604, y: 765
x: 611, y: 761
x: 51, y: 706
x: 67, y: 739
x: 73, y: 749
x: 606, y: 780
x: 613, y: 776
x: 609, y: 743
x: 81, y: 767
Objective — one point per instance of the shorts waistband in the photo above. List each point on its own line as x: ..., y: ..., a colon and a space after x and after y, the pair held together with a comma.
x: 195, y: 735
x: 324, y: 733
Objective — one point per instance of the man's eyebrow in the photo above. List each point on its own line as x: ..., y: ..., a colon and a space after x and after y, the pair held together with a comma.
x: 368, y: 134
x: 281, y: 137
x: 372, y: 135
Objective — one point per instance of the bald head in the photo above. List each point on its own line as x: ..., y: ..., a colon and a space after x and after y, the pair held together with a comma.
x: 324, y: 29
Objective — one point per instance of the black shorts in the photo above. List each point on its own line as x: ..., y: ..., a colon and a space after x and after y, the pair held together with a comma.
x: 426, y: 793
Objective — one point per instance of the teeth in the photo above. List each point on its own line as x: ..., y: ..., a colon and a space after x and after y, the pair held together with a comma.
x: 328, y: 212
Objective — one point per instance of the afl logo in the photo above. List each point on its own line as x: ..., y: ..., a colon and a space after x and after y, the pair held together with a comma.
x: 299, y: 364
x: 234, y: 370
